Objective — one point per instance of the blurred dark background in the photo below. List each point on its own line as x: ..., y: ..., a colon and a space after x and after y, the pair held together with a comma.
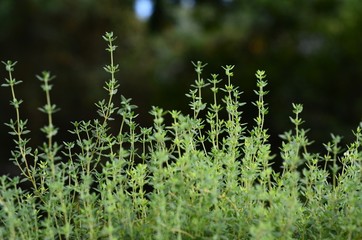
x: 311, y: 51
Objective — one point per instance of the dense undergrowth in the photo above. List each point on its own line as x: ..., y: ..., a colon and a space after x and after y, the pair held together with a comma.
x: 204, y: 175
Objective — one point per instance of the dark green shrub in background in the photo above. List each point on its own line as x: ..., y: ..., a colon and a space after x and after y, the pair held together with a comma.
x: 204, y: 175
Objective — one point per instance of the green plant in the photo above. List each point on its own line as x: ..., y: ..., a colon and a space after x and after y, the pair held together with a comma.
x: 205, y: 175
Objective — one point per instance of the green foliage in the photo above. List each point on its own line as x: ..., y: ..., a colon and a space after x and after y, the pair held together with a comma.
x: 204, y: 175
x: 314, y: 47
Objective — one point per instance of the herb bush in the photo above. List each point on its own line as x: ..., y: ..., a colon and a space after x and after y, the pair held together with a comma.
x: 205, y: 175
